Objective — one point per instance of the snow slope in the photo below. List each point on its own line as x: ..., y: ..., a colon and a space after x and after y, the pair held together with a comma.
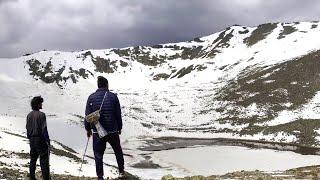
x: 199, y: 88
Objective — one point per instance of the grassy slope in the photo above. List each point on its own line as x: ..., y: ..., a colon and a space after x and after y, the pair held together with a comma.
x: 309, y: 172
x: 295, y: 82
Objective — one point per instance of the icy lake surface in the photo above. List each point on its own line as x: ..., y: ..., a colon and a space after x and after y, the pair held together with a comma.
x: 218, y: 160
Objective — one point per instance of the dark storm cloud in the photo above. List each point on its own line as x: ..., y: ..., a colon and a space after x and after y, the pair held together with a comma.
x: 33, y: 25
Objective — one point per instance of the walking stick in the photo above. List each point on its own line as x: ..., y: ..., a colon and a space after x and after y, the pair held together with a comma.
x: 49, y: 149
x: 85, y: 150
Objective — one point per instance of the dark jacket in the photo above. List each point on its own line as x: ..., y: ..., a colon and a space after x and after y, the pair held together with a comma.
x: 110, y: 115
x: 37, y: 125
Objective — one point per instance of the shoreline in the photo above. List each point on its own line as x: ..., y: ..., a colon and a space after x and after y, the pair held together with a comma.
x: 171, y: 142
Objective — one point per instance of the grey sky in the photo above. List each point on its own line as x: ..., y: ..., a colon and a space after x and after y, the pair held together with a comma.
x: 32, y: 25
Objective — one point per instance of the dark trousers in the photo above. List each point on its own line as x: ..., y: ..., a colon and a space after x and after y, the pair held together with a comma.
x: 99, y: 146
x: 39, y: 147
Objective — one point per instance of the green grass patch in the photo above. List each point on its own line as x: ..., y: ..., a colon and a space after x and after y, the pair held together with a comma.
x: 303, y: 129
x: 184, y: 71
x: 260, y: 33
x: 286, y: 31
x: 222, y: 41
x: 104, y: 65
x: 164, y: 76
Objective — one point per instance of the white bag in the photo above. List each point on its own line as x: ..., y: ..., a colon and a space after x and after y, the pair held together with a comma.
x: 100, y: 130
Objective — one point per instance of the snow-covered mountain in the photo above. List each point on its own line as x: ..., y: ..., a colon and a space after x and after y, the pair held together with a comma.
x: 258, y: 83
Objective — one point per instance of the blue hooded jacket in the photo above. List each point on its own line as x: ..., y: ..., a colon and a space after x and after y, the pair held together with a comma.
x: 110, y: 115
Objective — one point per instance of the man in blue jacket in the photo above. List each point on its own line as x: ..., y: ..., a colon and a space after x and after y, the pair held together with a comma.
x: 110, y: 120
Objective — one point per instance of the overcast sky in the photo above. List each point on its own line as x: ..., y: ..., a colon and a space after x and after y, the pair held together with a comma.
x: 33, y: 25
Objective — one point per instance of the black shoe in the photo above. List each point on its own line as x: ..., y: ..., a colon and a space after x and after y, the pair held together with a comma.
x: 32, y: 178
x: 100, y: 178
x: 121, y: 174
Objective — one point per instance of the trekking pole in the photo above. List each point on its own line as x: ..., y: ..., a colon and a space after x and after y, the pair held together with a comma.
x: 85, y: 150
x: 49, y: 149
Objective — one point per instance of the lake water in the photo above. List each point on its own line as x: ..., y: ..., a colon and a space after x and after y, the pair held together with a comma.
x: 220, y: 160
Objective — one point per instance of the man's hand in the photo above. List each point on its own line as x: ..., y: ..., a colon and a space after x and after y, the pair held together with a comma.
x: 119, y: 132
x: 89, y: 133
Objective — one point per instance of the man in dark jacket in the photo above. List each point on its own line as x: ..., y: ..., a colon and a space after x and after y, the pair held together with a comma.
x: 38, y: 136
x: 110, y: 120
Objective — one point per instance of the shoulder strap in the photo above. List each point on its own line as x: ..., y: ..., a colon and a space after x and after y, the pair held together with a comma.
x: 103, y: 100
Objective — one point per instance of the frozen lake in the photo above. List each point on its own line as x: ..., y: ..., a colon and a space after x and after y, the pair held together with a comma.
x: 218, y: 160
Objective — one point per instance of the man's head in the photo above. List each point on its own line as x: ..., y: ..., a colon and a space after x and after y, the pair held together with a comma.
x: 36, y: 103
x: 102, y: 82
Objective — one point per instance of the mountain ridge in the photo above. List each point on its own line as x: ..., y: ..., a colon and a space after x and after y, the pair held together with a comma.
x: 195, y: 49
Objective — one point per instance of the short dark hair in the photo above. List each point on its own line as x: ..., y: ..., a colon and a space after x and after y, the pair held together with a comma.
x: 102, y: 82
x: 35, y: 102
